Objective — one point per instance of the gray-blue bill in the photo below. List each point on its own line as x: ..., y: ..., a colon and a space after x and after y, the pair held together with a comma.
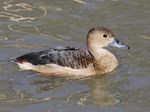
x: 119, y: 44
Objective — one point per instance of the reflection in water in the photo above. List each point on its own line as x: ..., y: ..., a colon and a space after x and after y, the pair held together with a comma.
x: 15, y: 92
x: 80, y: 1
x: 3, y: 38
x: 145, y: 37
x: 72, y: 91
x: 104, y: 92
x: 33, y: 30
x: 11, y: 9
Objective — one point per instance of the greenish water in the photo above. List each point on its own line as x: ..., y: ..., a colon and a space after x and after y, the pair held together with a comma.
x: 30, y: 25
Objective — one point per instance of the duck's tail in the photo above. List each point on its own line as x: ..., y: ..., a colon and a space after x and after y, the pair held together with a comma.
x: 12, y: 59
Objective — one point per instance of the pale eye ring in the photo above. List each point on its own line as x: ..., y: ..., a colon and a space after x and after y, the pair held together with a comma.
x: 105, y: 35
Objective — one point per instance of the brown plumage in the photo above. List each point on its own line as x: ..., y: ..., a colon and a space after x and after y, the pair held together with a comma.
x: 67, y: 61
x: 64, y: 56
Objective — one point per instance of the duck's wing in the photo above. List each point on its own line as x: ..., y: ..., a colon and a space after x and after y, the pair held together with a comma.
x: 63, y: 56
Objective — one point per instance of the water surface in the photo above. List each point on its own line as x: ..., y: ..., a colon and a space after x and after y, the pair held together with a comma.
x: 30, y: 25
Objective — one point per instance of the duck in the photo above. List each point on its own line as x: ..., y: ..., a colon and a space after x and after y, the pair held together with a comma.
x: 75, y: 61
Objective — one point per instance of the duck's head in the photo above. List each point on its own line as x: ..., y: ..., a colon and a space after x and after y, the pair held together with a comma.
x: 102, y: 37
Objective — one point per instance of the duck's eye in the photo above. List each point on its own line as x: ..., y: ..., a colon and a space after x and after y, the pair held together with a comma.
x: 105, y: 35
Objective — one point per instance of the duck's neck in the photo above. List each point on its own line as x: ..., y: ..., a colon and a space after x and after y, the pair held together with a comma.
x: 104, y: 59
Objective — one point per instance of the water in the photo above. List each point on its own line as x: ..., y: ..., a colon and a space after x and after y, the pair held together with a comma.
x: 30, y: 25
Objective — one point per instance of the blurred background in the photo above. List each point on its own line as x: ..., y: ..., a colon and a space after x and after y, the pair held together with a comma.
x: 29, y: 25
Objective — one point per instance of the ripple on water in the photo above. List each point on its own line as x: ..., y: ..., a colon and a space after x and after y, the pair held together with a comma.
x: 20, y: 11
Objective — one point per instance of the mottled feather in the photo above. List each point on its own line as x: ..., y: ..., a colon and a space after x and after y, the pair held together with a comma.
x: 64, y: 56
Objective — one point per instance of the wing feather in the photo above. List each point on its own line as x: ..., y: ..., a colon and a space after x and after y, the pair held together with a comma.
x: 63, y: 56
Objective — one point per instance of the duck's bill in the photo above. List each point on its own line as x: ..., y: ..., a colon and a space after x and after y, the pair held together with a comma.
x: 119, y: 44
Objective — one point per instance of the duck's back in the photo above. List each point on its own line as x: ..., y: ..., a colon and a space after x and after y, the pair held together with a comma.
x: 75, y: 58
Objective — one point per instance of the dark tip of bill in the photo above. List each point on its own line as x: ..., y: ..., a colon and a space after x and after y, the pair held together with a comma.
x: 128, y: 47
